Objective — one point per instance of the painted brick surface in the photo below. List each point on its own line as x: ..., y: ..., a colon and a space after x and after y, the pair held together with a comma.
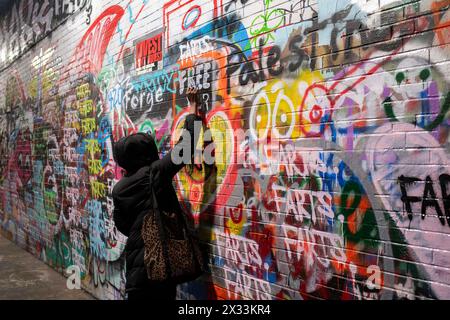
x: 330, y: 125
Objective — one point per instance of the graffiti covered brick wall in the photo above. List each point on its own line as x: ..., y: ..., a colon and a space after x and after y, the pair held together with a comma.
x: 330, y: 123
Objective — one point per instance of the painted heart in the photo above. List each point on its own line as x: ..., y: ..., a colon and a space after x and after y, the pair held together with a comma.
x: 202, y: 185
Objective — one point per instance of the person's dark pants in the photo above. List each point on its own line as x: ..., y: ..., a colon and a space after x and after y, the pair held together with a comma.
x: 154, y: 292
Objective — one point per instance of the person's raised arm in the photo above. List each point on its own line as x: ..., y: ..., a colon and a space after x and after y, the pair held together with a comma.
x: 184, y: 151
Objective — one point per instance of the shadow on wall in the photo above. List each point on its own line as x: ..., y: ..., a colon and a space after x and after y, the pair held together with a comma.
x: 203, y: 223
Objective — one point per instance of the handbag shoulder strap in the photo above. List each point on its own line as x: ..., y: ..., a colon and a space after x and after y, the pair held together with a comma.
x: 152, y: 189
x: 161, y: 231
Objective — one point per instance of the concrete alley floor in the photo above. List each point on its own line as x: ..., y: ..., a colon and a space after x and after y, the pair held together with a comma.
x: 24, y: 277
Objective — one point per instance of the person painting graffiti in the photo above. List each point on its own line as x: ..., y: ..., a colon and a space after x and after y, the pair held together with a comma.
x: 138, y: 155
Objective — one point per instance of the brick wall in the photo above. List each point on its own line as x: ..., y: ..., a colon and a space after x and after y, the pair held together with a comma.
x: 329, y: 119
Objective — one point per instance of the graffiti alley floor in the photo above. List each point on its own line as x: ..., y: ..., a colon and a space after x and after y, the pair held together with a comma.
x: 22, y: 276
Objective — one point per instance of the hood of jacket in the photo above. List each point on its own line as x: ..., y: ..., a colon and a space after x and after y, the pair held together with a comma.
x: 135, y: 151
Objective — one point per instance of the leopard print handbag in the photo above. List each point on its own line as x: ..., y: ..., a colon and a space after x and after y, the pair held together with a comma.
x: 171, y: 251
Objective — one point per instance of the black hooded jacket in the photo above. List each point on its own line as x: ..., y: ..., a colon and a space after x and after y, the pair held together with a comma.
x: 138, y: 155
